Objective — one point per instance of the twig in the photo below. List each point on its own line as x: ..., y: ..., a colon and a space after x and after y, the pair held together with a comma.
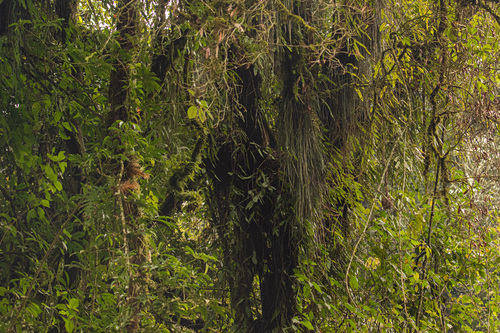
x: 366, y: 226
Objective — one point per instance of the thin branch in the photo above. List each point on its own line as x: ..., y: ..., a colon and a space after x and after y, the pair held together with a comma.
x: 370, y: 215
x: 429, y: 235
x: 119, y: 194
x: 490, y: 11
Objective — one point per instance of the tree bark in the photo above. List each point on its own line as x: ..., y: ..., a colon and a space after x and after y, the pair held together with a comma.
x: 128, y: 171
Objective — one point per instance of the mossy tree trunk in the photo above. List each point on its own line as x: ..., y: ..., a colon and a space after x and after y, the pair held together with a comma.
x: 127, y: 168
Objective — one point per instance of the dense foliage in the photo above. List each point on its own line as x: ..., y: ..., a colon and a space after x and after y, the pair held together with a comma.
x: 249, y: 166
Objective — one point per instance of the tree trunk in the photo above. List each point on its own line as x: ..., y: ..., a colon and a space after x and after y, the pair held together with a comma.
x: 127, y: 171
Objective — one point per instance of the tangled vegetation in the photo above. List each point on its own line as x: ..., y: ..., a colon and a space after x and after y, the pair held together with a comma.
x: 249, y: 166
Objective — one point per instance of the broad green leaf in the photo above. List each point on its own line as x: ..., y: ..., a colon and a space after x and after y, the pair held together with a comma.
x: 58, y: 185
x: 307, y: 324
x: 69, y: 325
x: 73, y: 303
x: 62, y: 166
x: 192, y: 112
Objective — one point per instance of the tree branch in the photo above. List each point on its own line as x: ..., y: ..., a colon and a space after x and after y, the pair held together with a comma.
x: 490, y: 11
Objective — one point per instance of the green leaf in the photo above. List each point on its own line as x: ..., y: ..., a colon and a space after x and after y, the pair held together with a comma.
x: 62, y: 134
x: 316, y: 286
x: 31, y: 215
x: 62, y: 166
x: 13, y: 231
x: 307, y: 324
x: 69, y: 324
x: 67, y: 126
x: 34, y: 309
x: 301, y: 277
x: 306, y: 290
x: 60, y: 156
x: 73, y: 303
x: 360, y: 95
x: 202, y: 116
x: 57, y: 116
x: 50, y: 173
x: 58, y: 185
x: 477, y: 288
x: 192, y: 112
x: 353, y: 282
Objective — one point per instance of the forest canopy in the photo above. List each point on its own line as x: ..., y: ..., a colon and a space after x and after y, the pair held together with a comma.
x: 249, y: 166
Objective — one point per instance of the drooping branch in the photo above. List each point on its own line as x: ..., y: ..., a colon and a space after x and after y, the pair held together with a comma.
x: 490, y: 11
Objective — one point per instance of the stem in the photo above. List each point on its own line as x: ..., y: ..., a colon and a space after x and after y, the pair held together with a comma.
x: 124, y: 222
x: 370, y: 215
x: 429, y: 236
